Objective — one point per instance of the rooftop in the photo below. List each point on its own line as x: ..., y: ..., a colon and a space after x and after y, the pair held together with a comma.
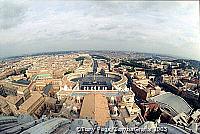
x: 30, y: 101
x: 24, y: 82
x: 14, y: 99
x: 95, y: 106
x: 174, y: 101
x: 47, y: 88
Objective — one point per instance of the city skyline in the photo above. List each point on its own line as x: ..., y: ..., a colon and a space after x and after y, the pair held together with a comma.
x: 97, y: 92
x: 29, y: 27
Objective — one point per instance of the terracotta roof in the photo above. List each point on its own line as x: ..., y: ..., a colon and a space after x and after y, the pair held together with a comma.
x: 68, y: 83
x: 22, y: 89
x: 3, y: 102
x: 31, y: 101
x: 14, y: 99
x: 95, y: 106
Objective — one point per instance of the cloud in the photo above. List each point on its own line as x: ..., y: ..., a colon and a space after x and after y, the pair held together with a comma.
x: 11, y: 13
x: 143, y: 26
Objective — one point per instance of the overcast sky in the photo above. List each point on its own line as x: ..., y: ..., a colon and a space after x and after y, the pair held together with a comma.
x: 159, y: 27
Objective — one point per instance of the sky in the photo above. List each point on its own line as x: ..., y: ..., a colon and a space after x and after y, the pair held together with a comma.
x: 164, y: 27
